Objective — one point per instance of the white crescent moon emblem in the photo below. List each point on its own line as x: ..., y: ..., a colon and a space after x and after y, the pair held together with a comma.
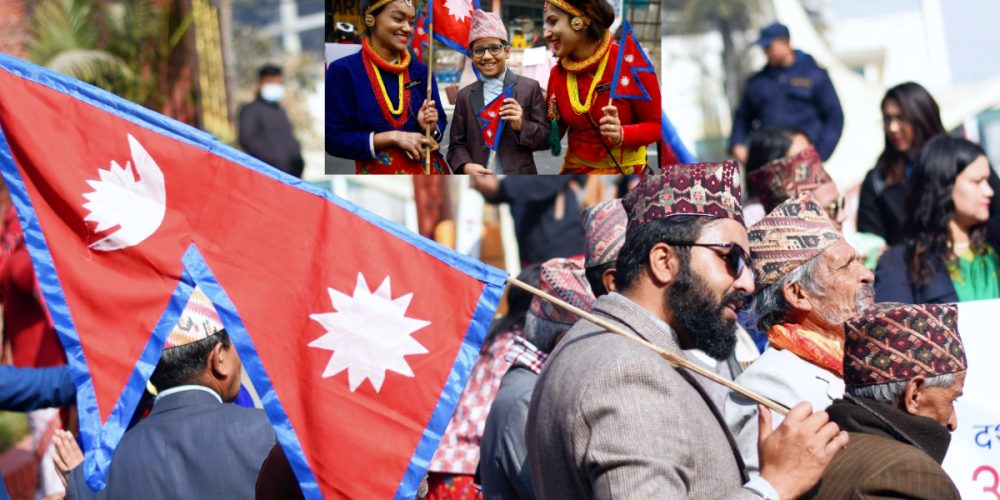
x: 135, y: 206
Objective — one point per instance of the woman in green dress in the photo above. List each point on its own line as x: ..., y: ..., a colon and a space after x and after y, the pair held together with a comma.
x: 945, y: 255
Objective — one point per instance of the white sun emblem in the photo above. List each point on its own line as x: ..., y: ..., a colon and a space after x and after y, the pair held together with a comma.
x: 489, y: 133
x: 625, y: 81
x: 629, y: 58
x: 369, y: 334
x: 459, y: 9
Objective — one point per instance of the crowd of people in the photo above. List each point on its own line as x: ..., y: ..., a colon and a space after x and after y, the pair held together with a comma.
x: 580, y: 411
x: 383, y: 109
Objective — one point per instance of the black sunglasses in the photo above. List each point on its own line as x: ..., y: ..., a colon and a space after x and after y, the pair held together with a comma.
x: 737, y: 260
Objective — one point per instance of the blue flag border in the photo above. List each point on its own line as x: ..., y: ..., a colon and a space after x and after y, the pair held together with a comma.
x: 100, y: 440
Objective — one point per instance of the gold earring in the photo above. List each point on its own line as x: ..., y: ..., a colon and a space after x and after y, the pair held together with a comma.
x: 577, y: 24
x: 369, y: 20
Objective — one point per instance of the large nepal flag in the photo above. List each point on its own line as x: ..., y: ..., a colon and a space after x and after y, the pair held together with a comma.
x: 489, y: 119
x: 631, y: 63
x: 452, y: 20
x: 357, y: 334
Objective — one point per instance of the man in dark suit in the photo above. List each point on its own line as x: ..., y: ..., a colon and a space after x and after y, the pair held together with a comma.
x: 191, y: 445
x: 525, y: 127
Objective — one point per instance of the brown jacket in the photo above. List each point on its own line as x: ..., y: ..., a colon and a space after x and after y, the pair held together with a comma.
x: 891, y: 454
x: 878, y: 467
x: 516, y: 148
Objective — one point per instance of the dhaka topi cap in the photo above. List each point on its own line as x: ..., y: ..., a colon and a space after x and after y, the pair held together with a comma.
x: 791, y: 235
x: 565, y: 279
x: 198, y: 321
x: 486, y: 25
x: 706, y: 189
x: 893, y: 342
x: 604, y: 227
x: 784, y: 178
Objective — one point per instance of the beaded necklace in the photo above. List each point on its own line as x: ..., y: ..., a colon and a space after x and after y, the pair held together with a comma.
x: 573, y: 89
x: 395, y: 115
x: 574, y: 67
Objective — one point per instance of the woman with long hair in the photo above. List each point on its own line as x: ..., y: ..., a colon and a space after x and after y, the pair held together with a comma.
x: 604, y: 136
x: 945, y: 255
x: 377, y: 107
x: 910, y: 118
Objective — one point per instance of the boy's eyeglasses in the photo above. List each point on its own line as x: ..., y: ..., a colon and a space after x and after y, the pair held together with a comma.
x: 480, y: 51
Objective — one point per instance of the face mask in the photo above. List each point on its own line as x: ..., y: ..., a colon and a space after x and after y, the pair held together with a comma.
x: 273, y: 92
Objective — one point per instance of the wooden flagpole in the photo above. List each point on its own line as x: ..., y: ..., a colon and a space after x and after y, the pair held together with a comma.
x: 430, y: 78
x: 672, y: 358
x: 492, y: 159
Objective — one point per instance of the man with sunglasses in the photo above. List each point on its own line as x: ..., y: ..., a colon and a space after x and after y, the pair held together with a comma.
x: 809, y: 282
x: 525, y: 130
x: 610, y: 418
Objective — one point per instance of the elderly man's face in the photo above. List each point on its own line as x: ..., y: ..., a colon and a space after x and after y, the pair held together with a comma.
x: 938, y: 403
x: 847, y: 284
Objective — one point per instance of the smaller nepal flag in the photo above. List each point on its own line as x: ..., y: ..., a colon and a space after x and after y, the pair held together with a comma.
x: 632, y: 60
x: 489, y: 119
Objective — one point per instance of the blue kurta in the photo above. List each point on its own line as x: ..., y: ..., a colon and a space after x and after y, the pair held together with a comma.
x: 352, y: 111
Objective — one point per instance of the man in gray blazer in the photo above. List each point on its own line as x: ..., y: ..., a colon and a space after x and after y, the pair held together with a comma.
x: 811, y: 281
x: 526, y: 128
x: 191, y: 445
x: 609, y: 418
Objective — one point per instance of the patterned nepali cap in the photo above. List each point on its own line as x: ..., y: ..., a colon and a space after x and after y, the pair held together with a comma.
x: 603, y: 232
x: 783, y: 178
x: 565, y: 279
x: 198, y: 321
x: 795, y: 232
x: 709, y: 189
x: 486, y: 25
x: 893, y: 342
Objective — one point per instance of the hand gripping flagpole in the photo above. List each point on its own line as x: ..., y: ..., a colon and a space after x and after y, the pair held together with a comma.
x: 430, y: 78
x: 672, y: 358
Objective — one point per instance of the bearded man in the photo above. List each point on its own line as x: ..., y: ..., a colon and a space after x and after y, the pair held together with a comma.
x: 609, y: 418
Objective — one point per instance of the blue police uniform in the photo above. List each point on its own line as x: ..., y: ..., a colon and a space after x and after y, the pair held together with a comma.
x: 799, y: 97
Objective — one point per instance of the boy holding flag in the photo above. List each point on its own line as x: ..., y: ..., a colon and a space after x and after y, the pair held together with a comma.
x: 501, y: 118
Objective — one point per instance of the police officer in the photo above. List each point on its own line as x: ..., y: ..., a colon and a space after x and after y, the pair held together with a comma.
x: 791, y: 92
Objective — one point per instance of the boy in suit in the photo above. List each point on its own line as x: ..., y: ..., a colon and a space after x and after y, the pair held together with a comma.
x: 525, y: 127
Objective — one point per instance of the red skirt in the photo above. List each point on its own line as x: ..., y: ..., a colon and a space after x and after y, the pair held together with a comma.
x: 393, y: 161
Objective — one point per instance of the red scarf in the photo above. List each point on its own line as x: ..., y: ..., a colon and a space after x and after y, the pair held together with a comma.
x: 813, y: 347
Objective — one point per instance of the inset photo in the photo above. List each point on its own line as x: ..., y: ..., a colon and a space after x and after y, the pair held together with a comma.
x: 505, y: 87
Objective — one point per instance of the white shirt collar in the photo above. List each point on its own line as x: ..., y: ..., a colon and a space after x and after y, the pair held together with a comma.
x: 182, y: 388
x: 500, y: 78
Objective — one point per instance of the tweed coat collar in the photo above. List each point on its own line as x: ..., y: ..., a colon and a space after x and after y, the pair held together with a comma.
x: 640, y: 321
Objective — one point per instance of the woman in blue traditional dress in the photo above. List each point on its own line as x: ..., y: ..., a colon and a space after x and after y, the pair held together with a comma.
x: 377, y: 108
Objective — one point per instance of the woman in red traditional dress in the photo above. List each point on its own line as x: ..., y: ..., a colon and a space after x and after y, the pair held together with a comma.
x: 605, y: 137
x: 377, y: 108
